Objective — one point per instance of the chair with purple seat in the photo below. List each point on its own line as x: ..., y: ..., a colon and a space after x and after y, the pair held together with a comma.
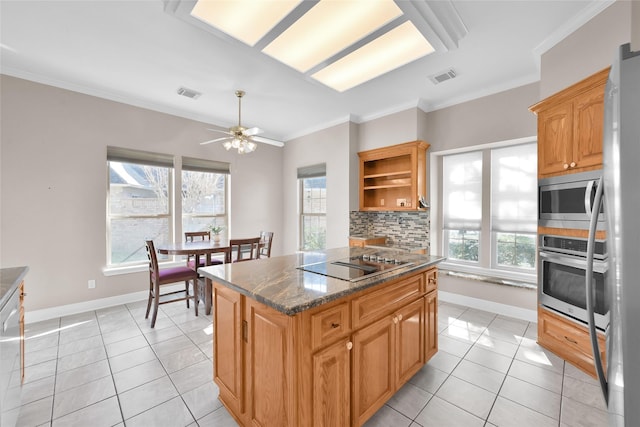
x: 158, y: 278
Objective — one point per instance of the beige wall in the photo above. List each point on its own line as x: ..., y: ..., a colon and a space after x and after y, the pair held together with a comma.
x: 54, y: 177
x: 587, y: 50
x: 389, y: 130
x: 333, y: 146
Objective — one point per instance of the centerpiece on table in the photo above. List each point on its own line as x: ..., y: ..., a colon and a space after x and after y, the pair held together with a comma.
x: 216, y: 230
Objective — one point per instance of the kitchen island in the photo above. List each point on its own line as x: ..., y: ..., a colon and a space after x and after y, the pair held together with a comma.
x: 298, y: 348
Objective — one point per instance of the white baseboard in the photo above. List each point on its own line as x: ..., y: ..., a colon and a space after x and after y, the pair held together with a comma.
x: 493, y: 307
x: 96, y: 304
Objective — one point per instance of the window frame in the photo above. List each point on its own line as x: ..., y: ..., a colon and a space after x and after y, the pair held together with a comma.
x: 215, y: 217
x: 304, y: 173
x: 109, y: 216
x: 487, y: 251
x: 174, y: 214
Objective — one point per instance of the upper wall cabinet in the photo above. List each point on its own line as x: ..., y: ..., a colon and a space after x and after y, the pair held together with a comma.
x: 393, y: 178
x: 570, y: 128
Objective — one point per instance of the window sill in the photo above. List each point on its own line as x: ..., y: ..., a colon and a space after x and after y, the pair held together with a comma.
x: 498, y: 277
x: 139, y: 268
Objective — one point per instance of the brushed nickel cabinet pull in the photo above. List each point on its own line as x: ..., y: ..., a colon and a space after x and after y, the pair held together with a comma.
x: 571, y: 340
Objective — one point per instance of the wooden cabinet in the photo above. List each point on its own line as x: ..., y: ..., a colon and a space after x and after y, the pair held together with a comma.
x: 393, y: 178
x: 361, y: 242
x: 331, y: 392
x: 229, y: 329
x: 332, y: 365
x: 568, y: 340
x: 431, y: 325
x: 269, y: 366
x: 570, y: 126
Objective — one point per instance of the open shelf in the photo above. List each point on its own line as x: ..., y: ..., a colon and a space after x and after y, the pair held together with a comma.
x: 393, y: 178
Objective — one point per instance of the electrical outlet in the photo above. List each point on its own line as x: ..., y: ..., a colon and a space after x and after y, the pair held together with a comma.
x: 401, y: 202
x: 381, y: 202
x: 92, y: 284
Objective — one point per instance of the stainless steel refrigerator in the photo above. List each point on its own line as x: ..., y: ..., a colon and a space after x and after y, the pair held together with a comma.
x: 621, y: 185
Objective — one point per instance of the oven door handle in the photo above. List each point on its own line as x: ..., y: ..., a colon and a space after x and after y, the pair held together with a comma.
x: 598, y: 266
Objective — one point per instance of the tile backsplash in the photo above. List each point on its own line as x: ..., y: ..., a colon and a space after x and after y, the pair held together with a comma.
x: 403, y: 229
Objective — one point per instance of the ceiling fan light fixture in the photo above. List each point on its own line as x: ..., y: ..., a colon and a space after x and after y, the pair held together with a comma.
x: 227, y: 145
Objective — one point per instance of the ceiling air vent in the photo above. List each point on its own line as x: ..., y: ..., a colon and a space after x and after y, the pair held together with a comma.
x: 442, y: 76
x: 189, y: 93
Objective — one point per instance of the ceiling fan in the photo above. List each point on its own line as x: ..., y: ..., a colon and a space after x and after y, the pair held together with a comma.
x: 241, y: 138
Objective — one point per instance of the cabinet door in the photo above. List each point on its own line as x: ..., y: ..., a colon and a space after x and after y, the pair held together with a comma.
x: 431, y: 325
x: 587, y: 128
x: 331, y: 385
x: 410, y: 333
x: 554, y: 139
x: 227, y: 347
x: 373, y: 369
x: 269, y: 366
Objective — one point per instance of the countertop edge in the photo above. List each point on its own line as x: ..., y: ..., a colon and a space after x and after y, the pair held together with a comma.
x: 295, y: 309
x: 10, y: 278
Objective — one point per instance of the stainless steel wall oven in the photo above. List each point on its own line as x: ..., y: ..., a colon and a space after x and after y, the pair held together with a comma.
x: 561, y: 277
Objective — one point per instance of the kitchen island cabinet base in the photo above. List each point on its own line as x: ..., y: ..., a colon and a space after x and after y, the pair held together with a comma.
x: 332, y: 365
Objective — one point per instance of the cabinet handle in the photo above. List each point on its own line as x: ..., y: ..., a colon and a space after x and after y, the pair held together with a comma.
x: 573, y: 164
x: 24, y: 294
x: 571, y: 340
x: 399, y: 316
x: 395, y: 319
x: 349, y: 345
x: 335, y: 325
x: 566, y: 166
x: 245, y: 331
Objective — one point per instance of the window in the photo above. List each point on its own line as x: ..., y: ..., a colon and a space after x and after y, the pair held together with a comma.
x: 204, y: 194
x: 313, y: 207
x: 462, y: 200
x: 139, y: 203
x: 504, y: 238
x: 514, y: 207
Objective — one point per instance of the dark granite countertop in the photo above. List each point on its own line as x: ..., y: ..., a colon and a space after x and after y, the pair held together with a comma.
x: 278, y: 283
x: 10, y: 279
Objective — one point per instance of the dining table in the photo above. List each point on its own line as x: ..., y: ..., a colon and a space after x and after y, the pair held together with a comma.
x: 200, y: 248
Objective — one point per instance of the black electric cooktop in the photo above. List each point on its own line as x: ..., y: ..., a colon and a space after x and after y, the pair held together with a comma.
x: 356, y: 268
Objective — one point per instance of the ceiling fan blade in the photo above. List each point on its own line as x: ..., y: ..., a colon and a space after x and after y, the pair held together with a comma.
x: 252, y: 131
x: 221, y: 131
x: 215, y: 140
x: 268, y: 141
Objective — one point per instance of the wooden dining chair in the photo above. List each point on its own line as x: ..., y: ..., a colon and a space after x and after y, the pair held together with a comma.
x: 266, y: 238
x: 190, y: 236
x: 244, y: 249
x: 158, y: 278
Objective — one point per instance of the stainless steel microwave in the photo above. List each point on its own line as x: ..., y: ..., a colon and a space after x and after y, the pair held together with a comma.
x: 566, y: 201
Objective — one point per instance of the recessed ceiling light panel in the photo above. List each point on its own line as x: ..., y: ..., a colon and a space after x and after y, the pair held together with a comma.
x: 245, y: 20
x: 398, y: 47
x: 328, y: 28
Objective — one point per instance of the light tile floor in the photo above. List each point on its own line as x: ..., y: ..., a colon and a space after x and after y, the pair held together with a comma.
x: 109, y: 368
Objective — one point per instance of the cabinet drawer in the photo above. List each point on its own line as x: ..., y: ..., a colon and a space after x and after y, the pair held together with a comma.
x: 380, y: 302
x: 568, y: 340
x: 329, y: 324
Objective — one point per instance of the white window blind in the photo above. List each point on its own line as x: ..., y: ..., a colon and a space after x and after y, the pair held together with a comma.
x: 514, y: 186
x: 462, y: 191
